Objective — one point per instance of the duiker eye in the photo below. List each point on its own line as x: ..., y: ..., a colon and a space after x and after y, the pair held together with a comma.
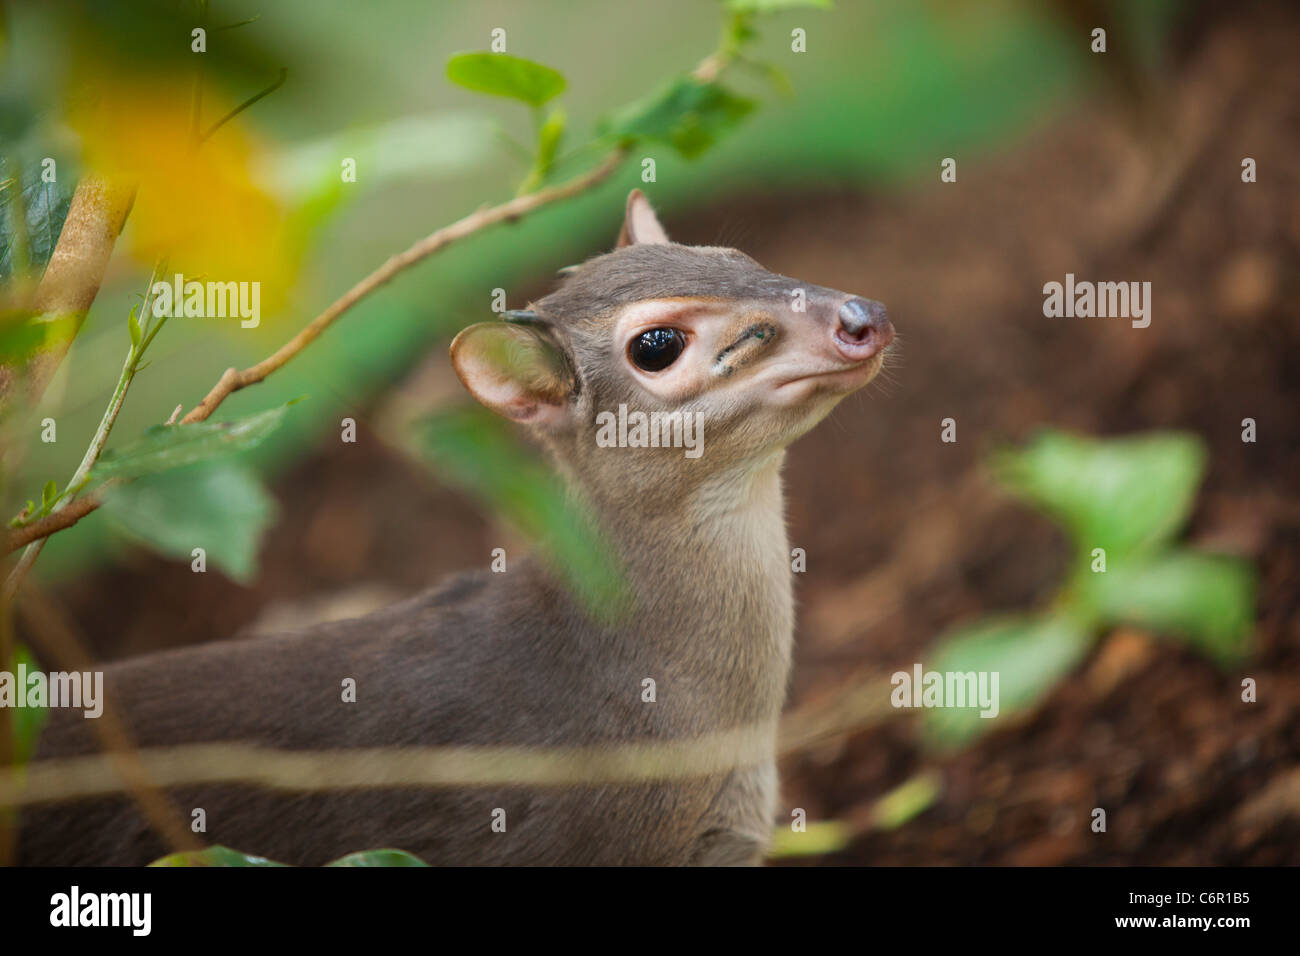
x: 656, y: 349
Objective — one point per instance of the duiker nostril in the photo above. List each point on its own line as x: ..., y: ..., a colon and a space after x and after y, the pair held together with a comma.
x: 859, y: 317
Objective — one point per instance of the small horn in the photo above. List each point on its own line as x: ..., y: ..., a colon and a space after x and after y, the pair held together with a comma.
x: 567, y: 270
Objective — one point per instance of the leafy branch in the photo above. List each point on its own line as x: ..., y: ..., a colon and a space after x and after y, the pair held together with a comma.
x: 142, y: 334
x: 688, y: 114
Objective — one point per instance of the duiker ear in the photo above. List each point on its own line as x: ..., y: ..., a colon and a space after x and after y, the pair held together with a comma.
x: 640, y: 225
x: 516, y: 370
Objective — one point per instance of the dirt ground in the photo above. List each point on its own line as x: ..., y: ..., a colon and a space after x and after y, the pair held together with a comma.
x: 904, y: 535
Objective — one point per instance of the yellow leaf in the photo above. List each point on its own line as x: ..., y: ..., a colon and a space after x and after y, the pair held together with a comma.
x: 197, y: 205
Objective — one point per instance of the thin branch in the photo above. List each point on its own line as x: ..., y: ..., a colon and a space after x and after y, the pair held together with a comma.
x: 65, y: 517
x: 232, y: 380
x: 96, y: 447
x: 284, y: 75
x: 236, y: 26
x: 58, y: 640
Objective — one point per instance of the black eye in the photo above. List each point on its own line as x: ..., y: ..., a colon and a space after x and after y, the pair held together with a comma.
x: 656, y: 349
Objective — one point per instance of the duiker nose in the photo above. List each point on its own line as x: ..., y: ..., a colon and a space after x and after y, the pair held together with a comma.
x: 865, y: 322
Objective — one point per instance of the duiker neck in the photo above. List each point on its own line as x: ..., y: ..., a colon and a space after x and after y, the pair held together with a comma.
x: 709, y: 575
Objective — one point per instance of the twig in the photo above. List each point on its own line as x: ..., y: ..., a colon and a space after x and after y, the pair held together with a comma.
x: 81, y: 476
x: 233, y: 380
x: 65, y: 517
x: 284, y: 75
x: 58, y: 640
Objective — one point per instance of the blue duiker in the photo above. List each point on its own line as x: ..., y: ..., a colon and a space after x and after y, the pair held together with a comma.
x: 665, y: 382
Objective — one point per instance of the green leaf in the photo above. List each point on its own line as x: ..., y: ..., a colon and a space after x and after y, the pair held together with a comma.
x: 165, y: 447
x: 27, y: 514
x: 48, y: 495
x: 22, y: 335
x: 17, y: 117
x: 471, y: 448
x: 224, y: 856
x: 1124, y: 495
x: 891, y: 811
x: 28, y: 721
x: 548, y: 141
x: 221, y: 507
x: 773, y: 74
x: 1028, y: 655
x: 820, y: 838
x: 775, y: 6
x: 378, y: 858
x: 906, y: 801
x: 1207, y: 600
x: 38, y: 208
x: 501, y: 74
x: 214, y: 856
x: 687, y: 114
x: 133, y: 326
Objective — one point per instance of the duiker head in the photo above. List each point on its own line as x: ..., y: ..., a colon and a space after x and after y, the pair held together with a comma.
x: 657, y: 367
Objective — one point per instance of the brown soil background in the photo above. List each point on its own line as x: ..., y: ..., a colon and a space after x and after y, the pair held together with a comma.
x: 904, y: 535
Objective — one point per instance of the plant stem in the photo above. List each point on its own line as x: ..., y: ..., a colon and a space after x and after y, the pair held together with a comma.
x: 232, y: 380
x: 284, y: 75
x: 81, y: 476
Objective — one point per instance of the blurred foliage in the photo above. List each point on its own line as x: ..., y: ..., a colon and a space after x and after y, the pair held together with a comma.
x: 775, y: 6
x: 198, y: 206
x: 164, y: 447
x: 501, y: 74
x: 27, y: 720
x: 906, y: 801
x: 224, y: 856
x: 214, y: 856
x: 888, y: 812
x: 467, y: 447
x: 1206, y: 600
x: 816, y: 839
x: 1125, y: 496
x: 1029, y: 655
x: 20, y: 338
x: 222, y: 508
x: 1122, y: 502
x: 687, y: 114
